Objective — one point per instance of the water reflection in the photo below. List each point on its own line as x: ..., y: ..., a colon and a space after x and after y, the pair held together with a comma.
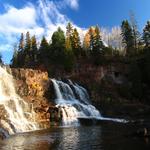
x: 85, y: 138
x: 27, y: 141
x: 74, y: 138
x: 104, y: 137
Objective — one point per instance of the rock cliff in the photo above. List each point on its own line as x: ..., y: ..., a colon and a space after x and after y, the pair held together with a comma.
x: 34, y: 86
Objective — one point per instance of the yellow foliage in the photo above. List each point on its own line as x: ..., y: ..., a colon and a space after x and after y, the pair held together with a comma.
x: 87, y: 37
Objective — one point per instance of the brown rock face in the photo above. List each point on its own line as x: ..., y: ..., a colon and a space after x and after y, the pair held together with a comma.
x: 30, y: 82
x: 33, y: 86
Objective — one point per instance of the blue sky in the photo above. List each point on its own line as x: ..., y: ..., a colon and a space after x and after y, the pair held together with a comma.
x: 42, y: 17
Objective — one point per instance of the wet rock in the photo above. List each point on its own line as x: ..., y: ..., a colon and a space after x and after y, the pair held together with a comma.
x: 142, y: 132
x: 3, y: 134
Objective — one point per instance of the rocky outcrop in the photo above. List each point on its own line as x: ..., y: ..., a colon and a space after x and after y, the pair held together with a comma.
x: 110, y: 89
x: 35, y: 88
x: 30, y: 82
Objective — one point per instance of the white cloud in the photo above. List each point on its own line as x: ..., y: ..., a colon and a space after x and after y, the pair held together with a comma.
x: 16, y: 21
x: 51, y: 17
x: 72, y: 3
x: 19, y: 17
x: 40, y: 19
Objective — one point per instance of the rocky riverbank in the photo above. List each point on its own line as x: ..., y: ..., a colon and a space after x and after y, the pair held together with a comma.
x: 105, y: 84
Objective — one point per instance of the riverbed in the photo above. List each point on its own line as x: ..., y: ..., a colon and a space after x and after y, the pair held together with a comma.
x: 107, y: 136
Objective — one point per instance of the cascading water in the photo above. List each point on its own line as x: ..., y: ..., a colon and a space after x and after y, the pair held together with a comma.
x: 73, y: 101
x: 15, y: 107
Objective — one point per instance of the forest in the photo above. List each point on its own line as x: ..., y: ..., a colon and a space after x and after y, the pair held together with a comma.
x: 66, y: 50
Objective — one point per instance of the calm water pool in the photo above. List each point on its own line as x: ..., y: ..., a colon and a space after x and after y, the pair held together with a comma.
x: 102, y: 137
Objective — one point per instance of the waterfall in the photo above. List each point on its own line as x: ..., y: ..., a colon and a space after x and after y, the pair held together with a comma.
x: 73, y: 101
x: 16, y: 108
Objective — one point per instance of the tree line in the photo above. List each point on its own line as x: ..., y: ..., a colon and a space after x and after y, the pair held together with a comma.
x: 65, y: 49
x: 137, y: 48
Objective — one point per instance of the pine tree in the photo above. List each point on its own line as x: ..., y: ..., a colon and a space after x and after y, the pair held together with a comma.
x: 43, y: 51
x: 146, y: 35
x: 58, y: 39
x: 27, y: 50
x: 58, y: 46
x: 21, y: 43
x: 127, y: 37
x: 28, y: 42
x: 146, y: 40
x: 98, y: 44
x: 61, y: 55
x: 21, y: 52
x: 92, y: 37
x: 15, y: 60
x: 34, y: 49
x: 86, y: 44
x: 76, y: 43
x: 69, y: 32
x: 68, y: 44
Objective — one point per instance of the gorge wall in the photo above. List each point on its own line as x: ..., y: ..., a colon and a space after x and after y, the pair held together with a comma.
x: 33, y: 86
x: 105, y: 84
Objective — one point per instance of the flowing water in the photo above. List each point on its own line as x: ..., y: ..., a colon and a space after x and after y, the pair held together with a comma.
x: 74, y: 102
x: 16, y: 108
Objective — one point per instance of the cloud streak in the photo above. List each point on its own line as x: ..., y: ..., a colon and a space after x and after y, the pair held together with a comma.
x: 42, y: 18
x: 72, y: 3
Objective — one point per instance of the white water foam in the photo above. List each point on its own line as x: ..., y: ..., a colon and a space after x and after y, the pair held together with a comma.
x: 74, y: 102
x: 14, y: 105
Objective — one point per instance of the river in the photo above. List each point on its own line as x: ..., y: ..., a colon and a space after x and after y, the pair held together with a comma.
x: 107, y: 136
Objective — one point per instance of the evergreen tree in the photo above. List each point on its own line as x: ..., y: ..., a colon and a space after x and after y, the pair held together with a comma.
x: 21, y: 43
x: 68, y: 44
x: 58, y: 39
x: 98, y: 44
x: 76, y: 43
x: 15, y: 60
x: 28, y: 42
x: 127, y: 38
x: 20, y: 54
x: 69, y: 34
x: 92, y: 37
x: 146, y: 35
x: 61, y: 55
x: 43, y: 51
x: 27, y: 50
x: 69, y: 31
x: 86, y: 50
x: 34, y: 49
